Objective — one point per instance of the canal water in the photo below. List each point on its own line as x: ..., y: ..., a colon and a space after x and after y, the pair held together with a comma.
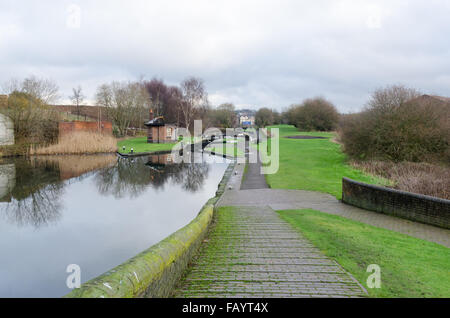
x: 92, y: 211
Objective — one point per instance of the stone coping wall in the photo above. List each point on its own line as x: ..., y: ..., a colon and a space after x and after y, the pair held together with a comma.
x: 407, y: 205
x: 155, y: 271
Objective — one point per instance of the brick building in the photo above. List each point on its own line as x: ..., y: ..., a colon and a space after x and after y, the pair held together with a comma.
x: 160, y: 132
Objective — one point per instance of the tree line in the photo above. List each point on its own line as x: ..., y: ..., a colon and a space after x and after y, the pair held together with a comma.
x: 127, y: 104
x: 395, y: 124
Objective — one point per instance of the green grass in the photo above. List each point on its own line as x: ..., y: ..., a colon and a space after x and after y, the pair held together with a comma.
x: 313, y: 164
x: 139, y: 144
x: 410, y: 267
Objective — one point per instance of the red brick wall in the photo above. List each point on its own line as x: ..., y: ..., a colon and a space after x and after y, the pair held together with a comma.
x: 152, y: 134
x: 90, y: 126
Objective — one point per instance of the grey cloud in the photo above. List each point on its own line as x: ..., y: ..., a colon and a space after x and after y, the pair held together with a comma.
x: 252, y: 53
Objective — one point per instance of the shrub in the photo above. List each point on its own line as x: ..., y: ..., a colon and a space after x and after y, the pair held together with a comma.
x: 397, y: 125
x: 33, y: 120
x: 264, y: 117
x: 315, y: 114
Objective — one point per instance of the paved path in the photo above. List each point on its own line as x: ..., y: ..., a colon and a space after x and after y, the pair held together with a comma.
x: 251, y: 252
x: 279, y: 199
x: 253, y: 179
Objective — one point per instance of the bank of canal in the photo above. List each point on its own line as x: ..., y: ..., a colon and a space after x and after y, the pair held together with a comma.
x: 94, y: 211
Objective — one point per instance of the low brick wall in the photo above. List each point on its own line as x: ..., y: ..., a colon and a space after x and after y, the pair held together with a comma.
x: 156, y: 271
x: 104, y: 127
x: 411, y: 206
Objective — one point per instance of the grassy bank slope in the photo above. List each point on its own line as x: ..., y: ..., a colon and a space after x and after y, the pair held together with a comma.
x: 313, y: 164
x: 139, y: 144
x: 410, y: 267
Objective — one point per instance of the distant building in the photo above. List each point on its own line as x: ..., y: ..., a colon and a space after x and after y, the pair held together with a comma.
x: 160, y: 132
x: 247, y: 120
x: 246, y: 117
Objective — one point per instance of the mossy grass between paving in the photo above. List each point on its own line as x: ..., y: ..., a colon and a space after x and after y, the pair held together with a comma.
x: 313, y: 164
x: 214, y: 247
x: 139, y: 144
x: 410, y: 267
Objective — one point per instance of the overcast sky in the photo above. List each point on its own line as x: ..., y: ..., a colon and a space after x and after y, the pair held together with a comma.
x: 251, y: 53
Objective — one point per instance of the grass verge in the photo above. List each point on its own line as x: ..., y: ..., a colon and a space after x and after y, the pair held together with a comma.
x: 410, y: 267
x: 139, y: 144
x: 313, y: 164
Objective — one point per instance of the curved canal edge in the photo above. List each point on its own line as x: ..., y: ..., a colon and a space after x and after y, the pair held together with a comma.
x: 155, y: 271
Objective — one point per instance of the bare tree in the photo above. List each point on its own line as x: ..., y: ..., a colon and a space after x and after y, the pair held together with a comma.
x: 45, y: 90
x: 77, y: 99
x: 28, y: 107
x: 194, y: 96
x: 124, y: 102
x: 224, y: 116
x: 165, y: 99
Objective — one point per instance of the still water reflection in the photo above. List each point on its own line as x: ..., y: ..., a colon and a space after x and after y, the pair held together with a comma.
x: 94, y: 211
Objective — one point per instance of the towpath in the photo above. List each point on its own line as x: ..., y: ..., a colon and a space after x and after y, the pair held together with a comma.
x: 252, y: 252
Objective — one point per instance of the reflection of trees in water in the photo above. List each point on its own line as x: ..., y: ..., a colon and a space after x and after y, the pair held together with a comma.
x: 130, y: 177
x: 194, y: 176
x: 35, y: 198
x: 40, y: 208
x: 127, y: 176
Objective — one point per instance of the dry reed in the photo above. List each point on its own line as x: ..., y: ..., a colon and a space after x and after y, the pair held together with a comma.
x: 79, y: 143
x: 422, y: 178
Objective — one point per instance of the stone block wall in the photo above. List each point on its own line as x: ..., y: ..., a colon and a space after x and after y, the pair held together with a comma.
x: 6, y: 131
x: 411, y: 206
x: 156, y: 271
